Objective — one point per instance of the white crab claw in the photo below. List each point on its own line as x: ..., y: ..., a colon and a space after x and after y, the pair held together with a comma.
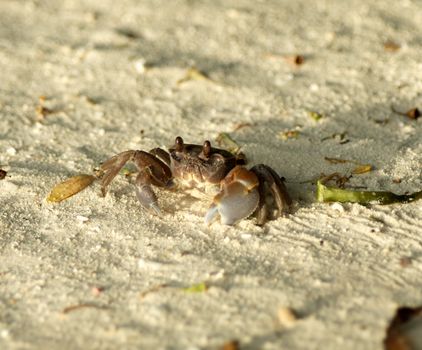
x: 238, y: 198
x: 211, y: 214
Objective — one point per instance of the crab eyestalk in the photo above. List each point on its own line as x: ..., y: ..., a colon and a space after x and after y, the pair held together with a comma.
x: 238, y: 198
x: 178, y: 144
x: 206, y: 149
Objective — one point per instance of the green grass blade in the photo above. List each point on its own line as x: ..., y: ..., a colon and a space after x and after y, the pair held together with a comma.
x: 333, y: 194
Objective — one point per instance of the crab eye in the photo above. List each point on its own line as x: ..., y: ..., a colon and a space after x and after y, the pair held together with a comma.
x: 206, y: 149
x: 178, y: 144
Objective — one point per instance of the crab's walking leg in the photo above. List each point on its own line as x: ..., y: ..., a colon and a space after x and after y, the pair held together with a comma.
x: 152, y: 171
x: 111, y: 168
x: 161, y: 154
x: 267, y: 175
x: 144, y: 192
x: 237, y: 199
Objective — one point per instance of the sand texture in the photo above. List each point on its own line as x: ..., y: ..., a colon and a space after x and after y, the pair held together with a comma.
x: 82, y: 80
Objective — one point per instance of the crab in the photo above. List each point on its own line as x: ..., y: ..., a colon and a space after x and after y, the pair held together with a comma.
x: 241, y: 192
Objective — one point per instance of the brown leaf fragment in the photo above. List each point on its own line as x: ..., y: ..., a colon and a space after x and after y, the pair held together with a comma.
x: 231, y: 345
x: 362, y: 169
x: 404, y: 331
x: 72, y: 308
x: 3, y: 174
x: 42, y: 112
x: 382, y: 121
x: 296, y: 60
x: 413, y: 113
x: 336, y: 160
x: 299, y: 59
x: 289, y: 134
x: 241, y: 126
x: 405, y: 261
x: 128, y: 33
x: 153, y: 290
x: 391, y: 46
x: 70, y: 187
x: 339, y: 179
x: 92, y: 100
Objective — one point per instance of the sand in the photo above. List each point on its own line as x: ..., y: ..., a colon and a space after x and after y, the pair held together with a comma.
x: 104, y: 76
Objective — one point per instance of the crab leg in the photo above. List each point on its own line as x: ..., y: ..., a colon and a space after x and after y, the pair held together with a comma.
x: 161, y: 154
x: 237, y: 199
x: 144, y: 192
x: 111, y: 168
x: 268, y: 176
x: 152, y: 171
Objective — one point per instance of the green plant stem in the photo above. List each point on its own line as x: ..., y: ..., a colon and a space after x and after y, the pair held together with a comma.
x: 333, y: 194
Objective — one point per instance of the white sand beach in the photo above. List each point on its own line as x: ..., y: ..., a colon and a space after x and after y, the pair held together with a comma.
x: 84, y: 80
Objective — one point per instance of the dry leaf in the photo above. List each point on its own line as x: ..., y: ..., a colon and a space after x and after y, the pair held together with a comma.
x: 298, y: 60
x: 338, y: 178
x: 153, y: 290
x: 241, y: 126
x: 382, y: 121
x: 3, y: 174
x: 41, y: 111
x: 405, y: 261
x: 413, y: 113
x: 336, y: 160
x: 231, y: 345
x: 290, y: 134
x: 295, y: 59
x: 362, y: 169
x: 286, y: 317
x: 70, y: 187
x: 72, y: 308
x: 391, y: 46
x: 128, y: 33
x: 194, y: 74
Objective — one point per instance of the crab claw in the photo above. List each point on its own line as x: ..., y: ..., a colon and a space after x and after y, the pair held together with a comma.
x: 237, y: 199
